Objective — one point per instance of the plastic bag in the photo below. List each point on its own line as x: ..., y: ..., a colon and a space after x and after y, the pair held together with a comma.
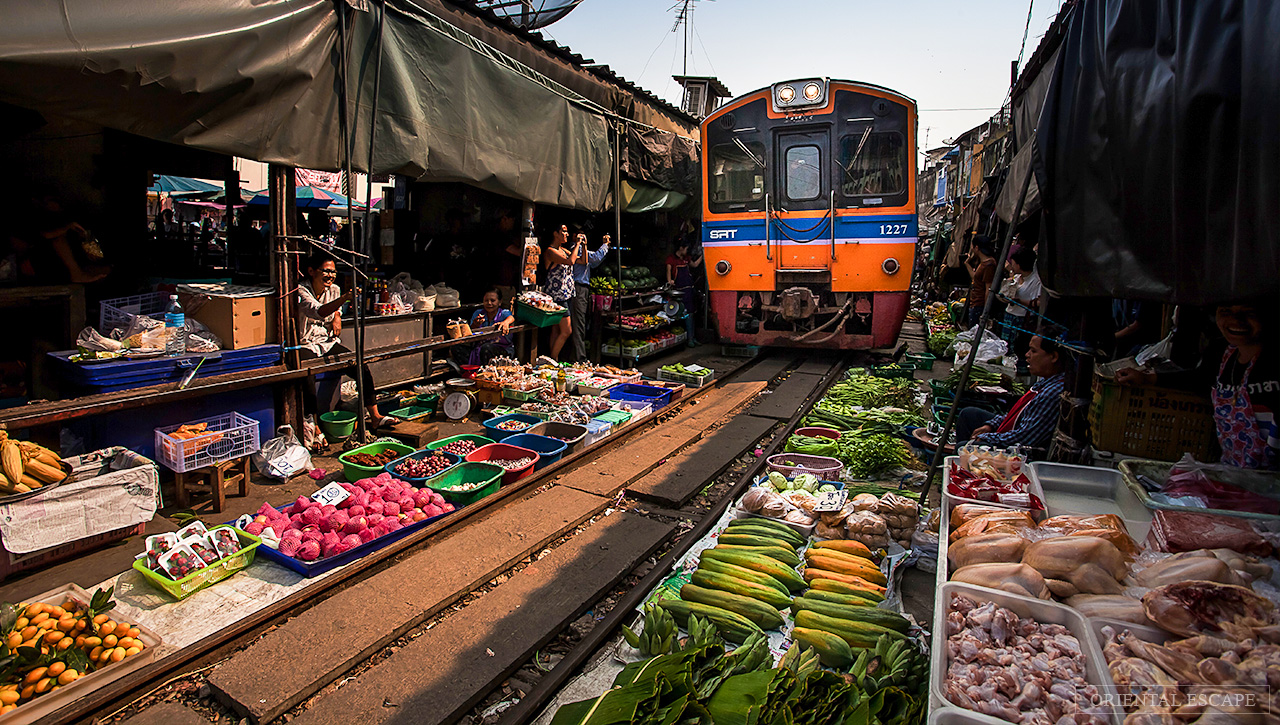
x: 90, y: 339
x: 924, y: 543
x: 282, y: 457
x: 1221, y: 487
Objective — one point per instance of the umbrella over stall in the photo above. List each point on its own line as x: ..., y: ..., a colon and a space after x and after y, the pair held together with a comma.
x: 309, y: 197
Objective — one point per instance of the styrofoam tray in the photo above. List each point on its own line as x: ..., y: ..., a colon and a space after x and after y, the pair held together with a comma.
x: 1044, y: 612
x: 948, y: 499
x: 45, y: 705
x: 1083, y: 490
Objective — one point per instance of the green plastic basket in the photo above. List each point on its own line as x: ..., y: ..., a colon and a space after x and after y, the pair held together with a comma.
x: 616, y: 417
x: 537, y: 317
x: 889, y: 372
x: 212, y: 574
x: 354, y: 471
x: 922, y: 361
x: 337, y: 423
x: 413, y: 412
x: 478, y: 440
x: 468, y: 472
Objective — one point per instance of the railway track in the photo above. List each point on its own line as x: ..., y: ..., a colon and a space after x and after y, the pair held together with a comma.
x: 485, y: 617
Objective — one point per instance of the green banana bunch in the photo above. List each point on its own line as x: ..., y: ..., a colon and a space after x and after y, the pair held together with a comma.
x: 702, y: 632
x: 659, y: 635
x: 801, y: 661
x: 892, y: 662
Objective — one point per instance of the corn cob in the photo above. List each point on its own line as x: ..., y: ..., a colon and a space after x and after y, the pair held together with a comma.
x: 11, y: 460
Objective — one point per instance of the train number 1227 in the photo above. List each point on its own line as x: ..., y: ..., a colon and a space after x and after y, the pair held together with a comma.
x: 893, y: 230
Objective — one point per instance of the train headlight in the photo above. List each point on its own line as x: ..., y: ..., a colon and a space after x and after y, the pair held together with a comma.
x: 723, y: 267
x: 812, y: 91
x: 786, y: 94
x: 890, y: 266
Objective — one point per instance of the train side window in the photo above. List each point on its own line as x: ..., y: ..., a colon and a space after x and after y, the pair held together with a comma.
x: 804, y: 173
x: 736, y: 176
x: 872, y: 164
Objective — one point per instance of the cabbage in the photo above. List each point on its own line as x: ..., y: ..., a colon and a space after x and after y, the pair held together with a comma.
x: 806, y: 481
x: 824, y: 488
x: 766, y: 485
x: 778, y: 480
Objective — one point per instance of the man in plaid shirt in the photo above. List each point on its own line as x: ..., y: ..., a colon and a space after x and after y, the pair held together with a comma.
x: 1032, y: 420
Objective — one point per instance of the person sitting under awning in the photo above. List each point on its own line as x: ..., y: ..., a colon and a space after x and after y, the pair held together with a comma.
x: 1242, y: 374
x: 490, y: 314
x: 1031, y: 421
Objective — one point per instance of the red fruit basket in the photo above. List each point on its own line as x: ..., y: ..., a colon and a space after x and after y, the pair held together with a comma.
x: 495, y: 452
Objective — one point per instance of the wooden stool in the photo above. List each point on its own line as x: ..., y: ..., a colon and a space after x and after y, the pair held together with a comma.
x: 213, y: 479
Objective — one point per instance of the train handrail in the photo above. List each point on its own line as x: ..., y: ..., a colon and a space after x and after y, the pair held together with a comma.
x: 768, y: 256
x: 832, y: 212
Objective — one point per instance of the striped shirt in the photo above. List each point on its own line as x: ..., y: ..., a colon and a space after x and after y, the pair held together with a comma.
x: 1037, y: 420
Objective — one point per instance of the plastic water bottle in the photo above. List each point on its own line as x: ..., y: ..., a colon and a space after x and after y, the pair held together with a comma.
x: 175, y: 328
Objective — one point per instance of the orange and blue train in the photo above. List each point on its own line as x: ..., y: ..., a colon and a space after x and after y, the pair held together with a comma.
x: 809, y: 214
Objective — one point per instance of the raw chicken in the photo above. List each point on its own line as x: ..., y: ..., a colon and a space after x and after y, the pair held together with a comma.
x: 1189, y: 568
x: 1078, y: 564
x: 1013, y: 578
x: 1110, y: 606
x: 1195, y: 607
x: 1004, y: 520
x: 1015, y: 668
x: 987, y: 548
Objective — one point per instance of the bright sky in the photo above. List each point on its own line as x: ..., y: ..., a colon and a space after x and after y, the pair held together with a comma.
x: 943, y: 53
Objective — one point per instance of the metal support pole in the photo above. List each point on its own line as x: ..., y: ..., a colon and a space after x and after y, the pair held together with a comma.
x: 996, y: 281
x: 282, y: 196
x: 617, y: 225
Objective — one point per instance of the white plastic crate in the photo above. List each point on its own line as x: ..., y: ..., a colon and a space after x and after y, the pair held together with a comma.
x: 227, y: 436
x: 596, y: 430
x: 119, y: 311
x: 637, y: 408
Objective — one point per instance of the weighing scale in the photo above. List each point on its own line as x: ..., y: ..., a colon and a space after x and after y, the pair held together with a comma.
x: 457, y: 405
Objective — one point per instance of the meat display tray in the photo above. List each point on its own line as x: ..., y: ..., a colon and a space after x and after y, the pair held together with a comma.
x: 948, y: 500
x: 1086, y: 491
x: 1044, y: 612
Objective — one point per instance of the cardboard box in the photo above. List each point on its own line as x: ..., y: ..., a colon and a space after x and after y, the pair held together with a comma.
x: 239, y: 321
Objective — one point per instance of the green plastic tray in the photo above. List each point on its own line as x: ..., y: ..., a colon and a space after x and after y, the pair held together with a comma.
x: 616, y: 417
x: 537, y: 317
x: 354, y: 471
x: 413, y: 412
x: 212, y: 574
x: 465, y: 473
x: 922, y: 361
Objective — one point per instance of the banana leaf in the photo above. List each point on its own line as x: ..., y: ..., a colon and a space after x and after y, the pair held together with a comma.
x: 634, y: 703
x: 753, y: 655
x: 753, y: 698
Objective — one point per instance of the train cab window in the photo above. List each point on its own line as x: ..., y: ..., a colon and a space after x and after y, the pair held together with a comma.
x: 804, y: 173
x: 872, y: 164
x: 736, y: 173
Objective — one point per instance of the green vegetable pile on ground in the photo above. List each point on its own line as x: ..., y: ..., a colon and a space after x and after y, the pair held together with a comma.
x: 981, y: 376
x: 869, y: 392
x: 701, y: 685
x: 940, y: 341
x: 811, y: 445
x: 868, y: 455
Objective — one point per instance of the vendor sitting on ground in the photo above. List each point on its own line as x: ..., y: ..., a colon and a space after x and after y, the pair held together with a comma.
x: 490, y: 314
x: 1242, y: 374
x: 1031, y: 420
x: 320, y: 322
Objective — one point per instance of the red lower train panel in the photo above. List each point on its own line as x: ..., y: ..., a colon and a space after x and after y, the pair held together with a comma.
x: 889, y: 309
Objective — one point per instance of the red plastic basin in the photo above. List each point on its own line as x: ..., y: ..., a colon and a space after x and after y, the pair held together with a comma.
x: 503, y: 451
x: 815, y: 431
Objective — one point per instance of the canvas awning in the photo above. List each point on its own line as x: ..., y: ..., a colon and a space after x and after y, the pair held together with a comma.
x: 257, y: 79
x: 1158, y: 141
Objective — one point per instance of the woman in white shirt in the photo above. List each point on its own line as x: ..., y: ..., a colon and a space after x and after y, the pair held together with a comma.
x: 320, y: 321
x: 1021, y: 286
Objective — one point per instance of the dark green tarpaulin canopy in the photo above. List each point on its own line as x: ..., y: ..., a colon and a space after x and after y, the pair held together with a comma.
x: 259, y: 79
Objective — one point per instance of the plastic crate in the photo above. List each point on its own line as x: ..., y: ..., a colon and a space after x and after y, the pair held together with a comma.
x: 637, y: 408
x: 616, y: 418
x: 1154, y: 423
x: 503, y: 451
x: 676, y: 389
x: 585, y: 389
x: 660, y: 397
x: 571, y: 434
x: 596, y: 430
x: 227, y: 436
x: 522, y: 396
x: 442, y: 442
x: 354, y: 472
x: 450, y: 457
x: 921, y: 361
x: 892, y: 372
x: 537, y: 317
x: 211, y: 574
x: 549, y: 450
x: 491, y: 425
x: 692, y: 381
x: 119, y: 311
x: 446, y: 482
